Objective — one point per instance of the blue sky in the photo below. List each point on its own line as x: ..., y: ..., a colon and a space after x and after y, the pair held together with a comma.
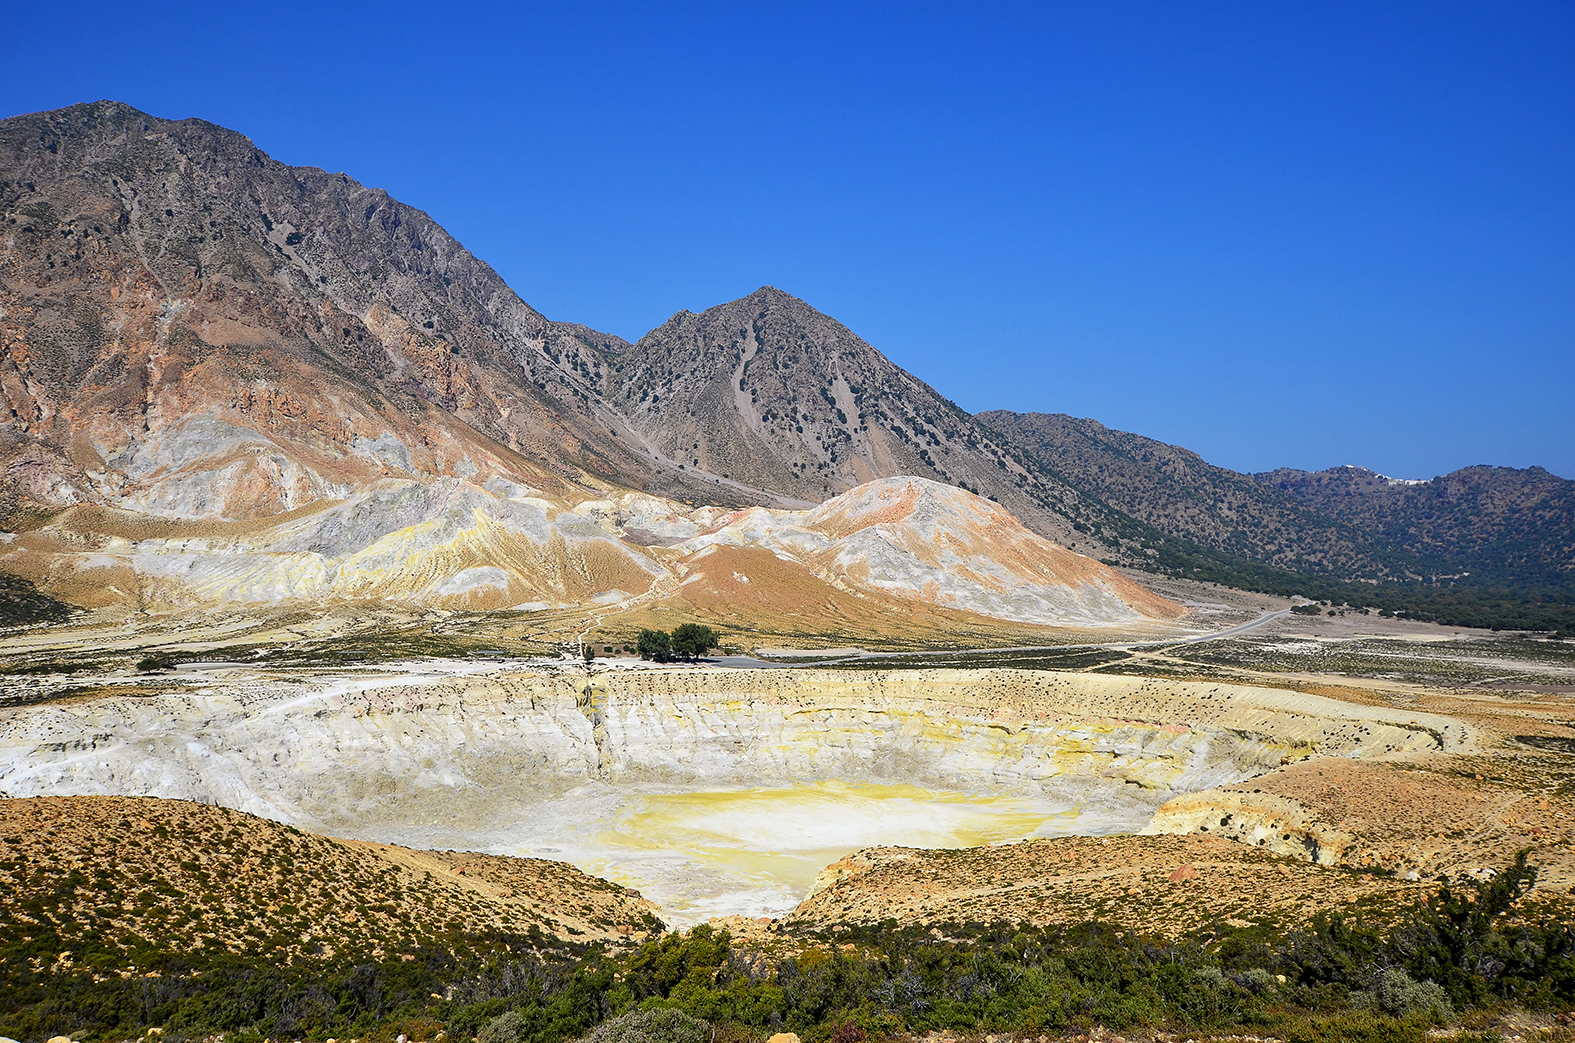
x: 1279, y: 233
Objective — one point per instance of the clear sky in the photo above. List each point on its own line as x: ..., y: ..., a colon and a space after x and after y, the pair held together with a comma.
x: 1279, y: 233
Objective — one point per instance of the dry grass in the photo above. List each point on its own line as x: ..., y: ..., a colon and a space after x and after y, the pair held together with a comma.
x: 126, y: 873
x: 1165, y: 886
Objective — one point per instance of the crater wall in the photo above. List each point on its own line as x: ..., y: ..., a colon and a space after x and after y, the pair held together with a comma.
x: 380, y: 756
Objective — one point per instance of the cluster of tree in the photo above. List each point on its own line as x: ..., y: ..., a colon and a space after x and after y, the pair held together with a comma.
x: 1477, y: 946
x: 687, y: 641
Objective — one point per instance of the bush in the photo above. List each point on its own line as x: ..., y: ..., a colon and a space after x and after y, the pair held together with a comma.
x: 1396, y: 992
x: 507, y: 1027
x: 1355, y: 1028
x: 1259, y: 980
x: 661, y: 1025
x: 655, y: 645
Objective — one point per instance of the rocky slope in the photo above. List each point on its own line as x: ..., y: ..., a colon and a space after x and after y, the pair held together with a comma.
x: 116, y: 876
x: 1163, y: 886
x: 191, y: 329
x: 921, y: 541
x: 769, y: 391
x: 1177, y: 492
x: 1320, y: 834
x: 892, y: 547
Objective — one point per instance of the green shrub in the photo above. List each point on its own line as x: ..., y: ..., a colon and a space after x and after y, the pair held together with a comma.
x: 1396, y: 992
x: 507, y: 1027
x: 658, y: 1025
x: 1356, y: 1028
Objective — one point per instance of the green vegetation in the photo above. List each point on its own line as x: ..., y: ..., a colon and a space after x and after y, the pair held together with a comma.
x: 1530, y: 603
x: 1472, y: 948
x: 658, y: 1025
x: 693, y: 640
x: 23, y: 604
x: 687, y: 641
x: 655, y: 645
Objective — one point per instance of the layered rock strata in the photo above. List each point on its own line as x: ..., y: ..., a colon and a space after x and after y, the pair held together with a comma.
x: 367, y: 755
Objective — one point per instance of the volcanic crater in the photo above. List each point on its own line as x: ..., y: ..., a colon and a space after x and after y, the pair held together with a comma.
x: 714, y: 792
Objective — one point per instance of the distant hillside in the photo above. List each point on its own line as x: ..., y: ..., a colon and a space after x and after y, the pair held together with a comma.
x: 1496, y: 524
x: 1177, y: 492
x: 1482, y: 546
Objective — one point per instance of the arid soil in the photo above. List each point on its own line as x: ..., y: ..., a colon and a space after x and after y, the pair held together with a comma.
x: 1329, y: 832
x: 1164, y: 886
x: 117, y: 873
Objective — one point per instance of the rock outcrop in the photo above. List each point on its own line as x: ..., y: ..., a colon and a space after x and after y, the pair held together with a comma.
x: 1259, y: 819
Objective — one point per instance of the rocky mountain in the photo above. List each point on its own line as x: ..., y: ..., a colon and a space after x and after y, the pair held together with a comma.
x: 231, y: 381
x: 223, y: 375
x: 191, y: 329
x: 770, y: 392
x: 1174, y: 490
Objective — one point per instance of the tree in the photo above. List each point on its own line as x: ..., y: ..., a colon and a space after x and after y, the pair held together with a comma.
x: 656, y: 645
x: 693, y: 640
